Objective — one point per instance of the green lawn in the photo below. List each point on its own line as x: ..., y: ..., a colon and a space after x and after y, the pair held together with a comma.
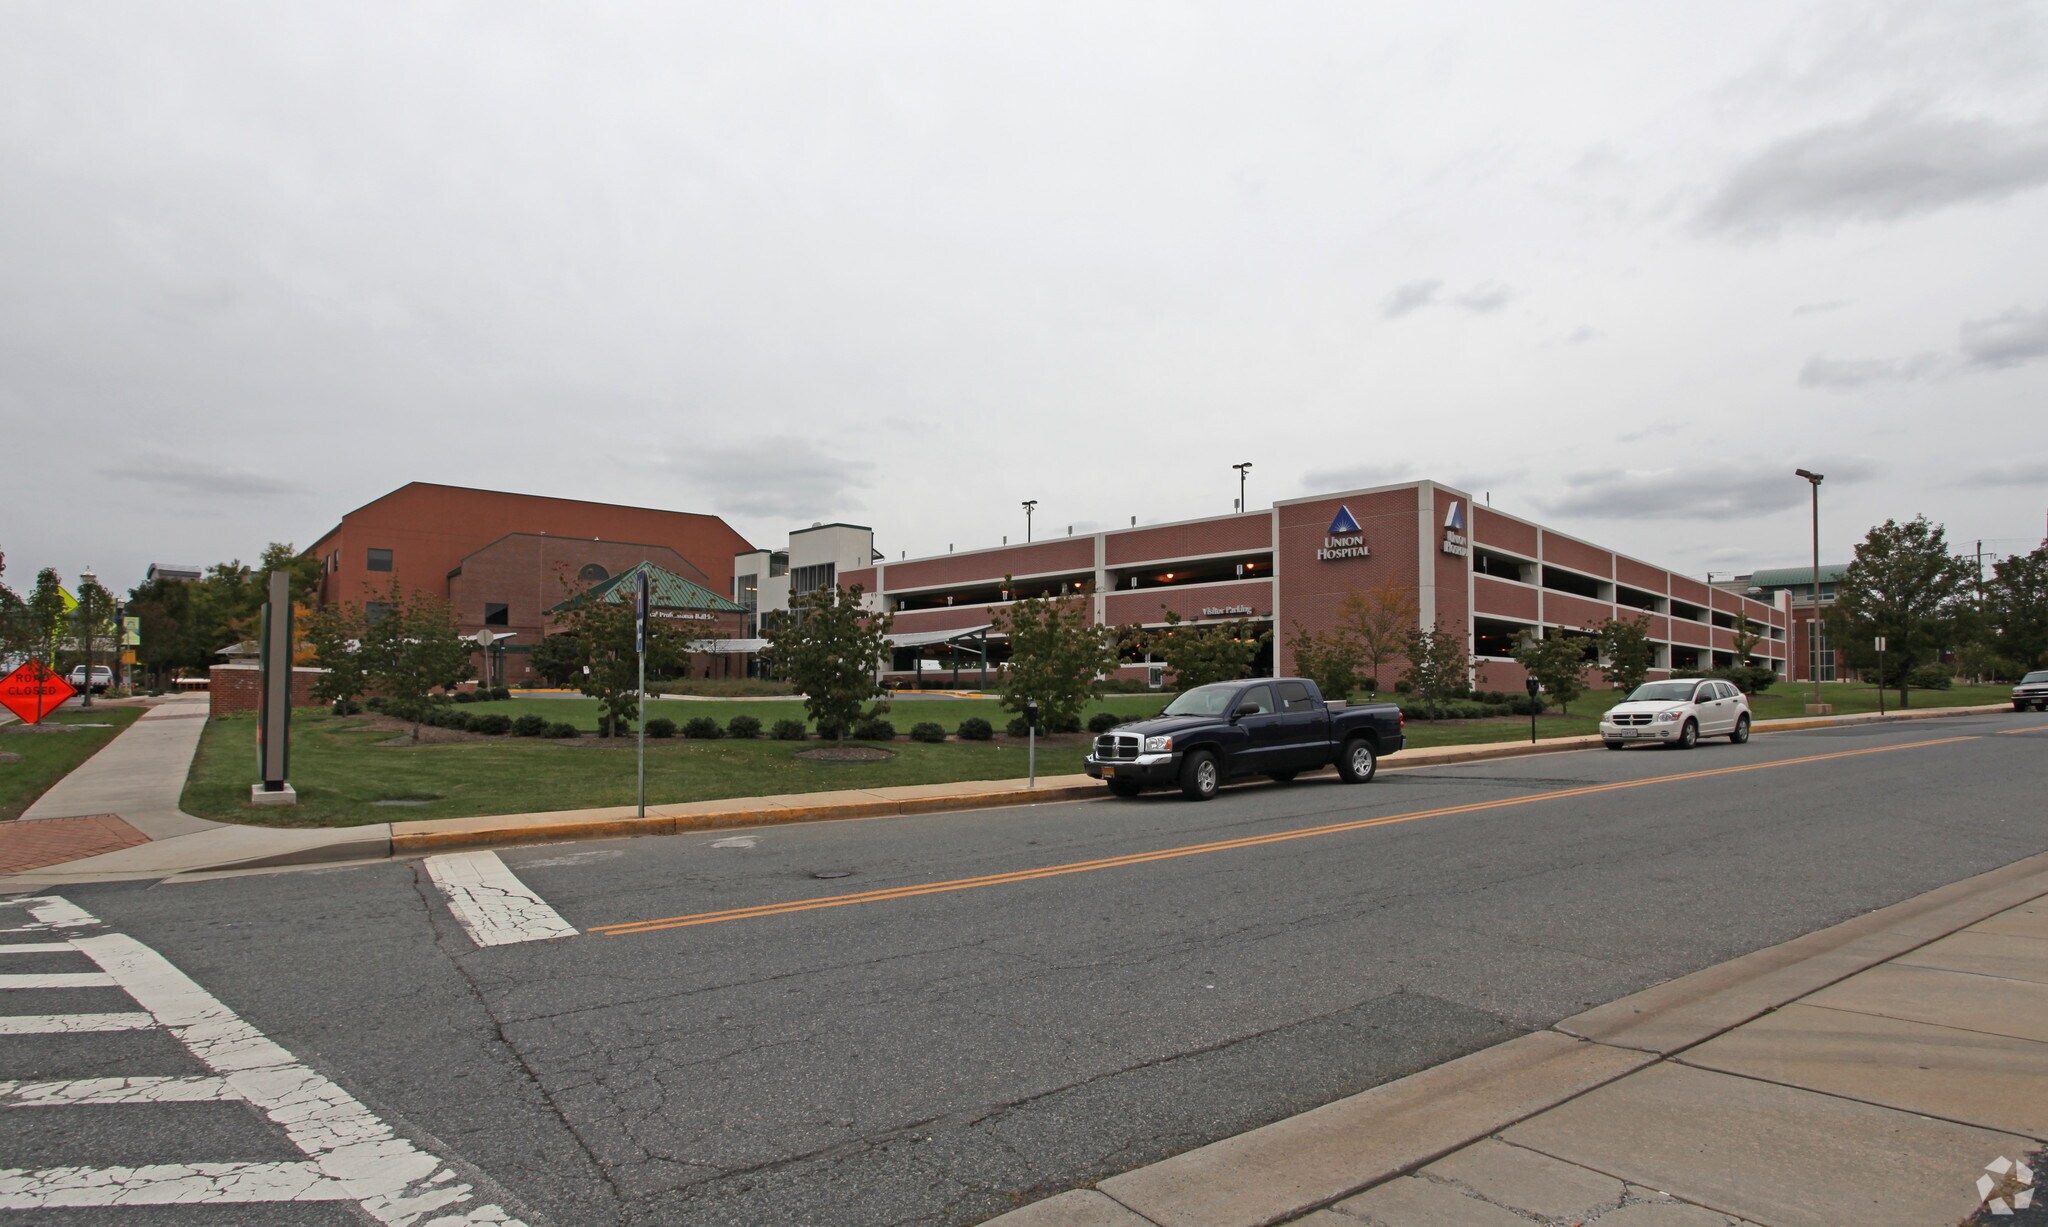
x: 340, y: 770
x: 49, y: 757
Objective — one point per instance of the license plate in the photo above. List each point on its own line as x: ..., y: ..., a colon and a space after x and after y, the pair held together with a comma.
x: 1108, y: 771
x: 1630, y: 733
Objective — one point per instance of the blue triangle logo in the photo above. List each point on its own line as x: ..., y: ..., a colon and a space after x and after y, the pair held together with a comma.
x: 1455, y: 519
x: 1343, y: 523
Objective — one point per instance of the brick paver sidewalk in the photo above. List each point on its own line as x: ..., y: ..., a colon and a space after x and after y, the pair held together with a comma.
x: 36, y: 842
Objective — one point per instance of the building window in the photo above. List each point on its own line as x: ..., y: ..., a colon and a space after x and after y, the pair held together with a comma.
x: 812, y: 578
x: 375, y: 612
x: 497, y: 614
x: 380, y: 560
x: 592, y: 573
x: 1820, y: 651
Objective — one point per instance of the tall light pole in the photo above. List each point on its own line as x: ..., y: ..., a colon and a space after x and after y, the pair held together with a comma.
x: 1242, y: 469
x: 1029, y: 503
x: 1813, y: 624
x: 88, y: 609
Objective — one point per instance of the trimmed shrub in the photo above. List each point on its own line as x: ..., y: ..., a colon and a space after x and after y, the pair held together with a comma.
x: 1931, y: 676
x: 746, y: 728
x: 927, y: 731
x: 975, y: 728
x: 501, y: 693
x: 374, y: 703
x: 492, y: 724
x: 1521, y: 703
x: 1103, y: 721
x: 1018, y: 727
x: 346, y: 707
x: 562, y: 730
x: 661, y: 726
x: 874, y: 729
x: 465, y: 696
x: 461, y: 721
x: 1066, y: 724
x: 828, y: 731
x: 1404, y: 686
x: 529, y: 726
x: 702, y: 728
x: 788, y: 730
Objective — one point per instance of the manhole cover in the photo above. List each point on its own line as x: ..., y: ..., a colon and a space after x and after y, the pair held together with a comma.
x: 834, y: 873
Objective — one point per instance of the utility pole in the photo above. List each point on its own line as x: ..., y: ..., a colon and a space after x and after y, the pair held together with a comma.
x: 1242, y: 469
x: 1029, y: 503
x: 1817, y: 707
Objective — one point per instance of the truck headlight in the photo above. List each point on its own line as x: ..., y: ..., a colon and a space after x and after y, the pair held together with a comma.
x: 1158, y: 745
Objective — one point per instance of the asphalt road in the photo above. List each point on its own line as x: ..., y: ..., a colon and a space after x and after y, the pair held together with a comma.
x: 939, y: 1056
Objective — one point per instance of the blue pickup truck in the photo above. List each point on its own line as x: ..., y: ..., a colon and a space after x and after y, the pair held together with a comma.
x: 1275, y: 727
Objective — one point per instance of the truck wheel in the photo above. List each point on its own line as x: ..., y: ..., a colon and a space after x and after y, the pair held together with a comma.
x: 1123, y: 788
x: 1358, y: 762
x: 1200, y: 777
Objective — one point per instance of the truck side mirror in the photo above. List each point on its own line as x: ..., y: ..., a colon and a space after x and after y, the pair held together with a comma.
x: 1245, y: 709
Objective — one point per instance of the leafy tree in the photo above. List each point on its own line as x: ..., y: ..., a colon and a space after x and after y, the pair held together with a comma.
x: 1558, y: 664
x: 1627, y: 649
x: 2016, y: 606
x: 1381, y: 621
x: 831, y: 648
x: 91, y: 623
x: 414, y: 649
x: 599, y: 634
x: 1747, y: 635
x: 558, y: 659
x: 1056, y: 653
x: 1200, y: 653
x: 1330, y: 660
x: 1905, y: 586
x: 46, y: 614
x: 335, y: 633
x: 1439, y: 667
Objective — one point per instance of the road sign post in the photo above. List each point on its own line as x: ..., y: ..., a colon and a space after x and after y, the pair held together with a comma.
x: 1880, y: 675
x: 640, y: 647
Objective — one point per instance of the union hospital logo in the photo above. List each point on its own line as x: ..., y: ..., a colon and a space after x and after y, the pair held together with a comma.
x: 1344, y: 540
x: 2005, y: 1186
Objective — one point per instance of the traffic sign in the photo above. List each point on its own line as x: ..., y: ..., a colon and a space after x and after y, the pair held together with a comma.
x: 33, y: 692
x: 70, y: 602
x: 131, y: 632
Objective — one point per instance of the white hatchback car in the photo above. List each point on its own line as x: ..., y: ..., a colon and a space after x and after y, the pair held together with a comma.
x: 1678, y: 713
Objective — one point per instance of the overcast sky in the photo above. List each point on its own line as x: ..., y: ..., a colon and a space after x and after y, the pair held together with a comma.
x: 1623, y: 265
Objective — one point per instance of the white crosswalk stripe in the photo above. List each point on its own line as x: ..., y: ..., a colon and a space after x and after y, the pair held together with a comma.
x: 350, y: 1154
x: 490, y: 902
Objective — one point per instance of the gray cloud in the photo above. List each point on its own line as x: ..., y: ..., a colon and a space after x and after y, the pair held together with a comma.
x: 1410, y: 296
x: 2013, y: 338
x: 2020, y: 473
x: 205, y: 477
x: 1895, y: 163
x: 1582, y: 334
x: 785, y: 477
x: 1485, y: 299
x: 1732, y: 491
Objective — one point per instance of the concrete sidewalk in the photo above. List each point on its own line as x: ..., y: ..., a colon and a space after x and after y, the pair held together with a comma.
x: 1867, y: 1073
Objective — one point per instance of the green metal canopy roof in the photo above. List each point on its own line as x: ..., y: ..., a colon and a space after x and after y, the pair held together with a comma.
x: 1797, y: 577
x: 665, y: 590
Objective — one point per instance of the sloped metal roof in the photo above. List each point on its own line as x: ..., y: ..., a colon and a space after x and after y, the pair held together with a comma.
x: 1797, y: 577
x: 665, y: 590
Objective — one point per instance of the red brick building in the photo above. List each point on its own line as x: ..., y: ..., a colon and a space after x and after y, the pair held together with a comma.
x: 501, y: 560
x: 1478, y: 572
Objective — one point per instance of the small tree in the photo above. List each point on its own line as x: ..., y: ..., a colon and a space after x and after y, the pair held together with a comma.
x: 598, y: 655
x: 1330, y: 660
x: 413, y: 649
x: 1200, y: 653
x: 2016, y: 606
x: 1558, y: 664
x: 1381, y: 621
x: 558, y: 659
x: 335, y: 634
x: 1902, y: 585
x: 1747, y: 635
x: 1056, y: 653
x: 831, y: 648
x: 46, y: 614
x: 1627, y: 649
x: 1439, y: 667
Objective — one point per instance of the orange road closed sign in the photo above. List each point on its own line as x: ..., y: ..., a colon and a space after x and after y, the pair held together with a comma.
x: 33, y: 692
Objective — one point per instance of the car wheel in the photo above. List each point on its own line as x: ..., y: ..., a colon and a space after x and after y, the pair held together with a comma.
x: 1358, y: 762
x: 1741, y: 733
x: 1200, y: 777
x: 1124, y: 788
x: 1282, y: 777
x: 1612, y: 745
x: 1688, y: 737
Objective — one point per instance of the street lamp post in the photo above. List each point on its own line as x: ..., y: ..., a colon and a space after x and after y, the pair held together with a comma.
x: 1816, y: 707
x: 88, y: 608
x: 1242, y: 469
x: 1029, y: 503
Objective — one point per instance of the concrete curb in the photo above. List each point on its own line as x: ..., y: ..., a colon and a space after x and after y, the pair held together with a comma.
x: 1298, y: 1165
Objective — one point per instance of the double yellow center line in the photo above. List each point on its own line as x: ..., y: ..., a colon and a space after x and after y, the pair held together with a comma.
x: 1227, y: 845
